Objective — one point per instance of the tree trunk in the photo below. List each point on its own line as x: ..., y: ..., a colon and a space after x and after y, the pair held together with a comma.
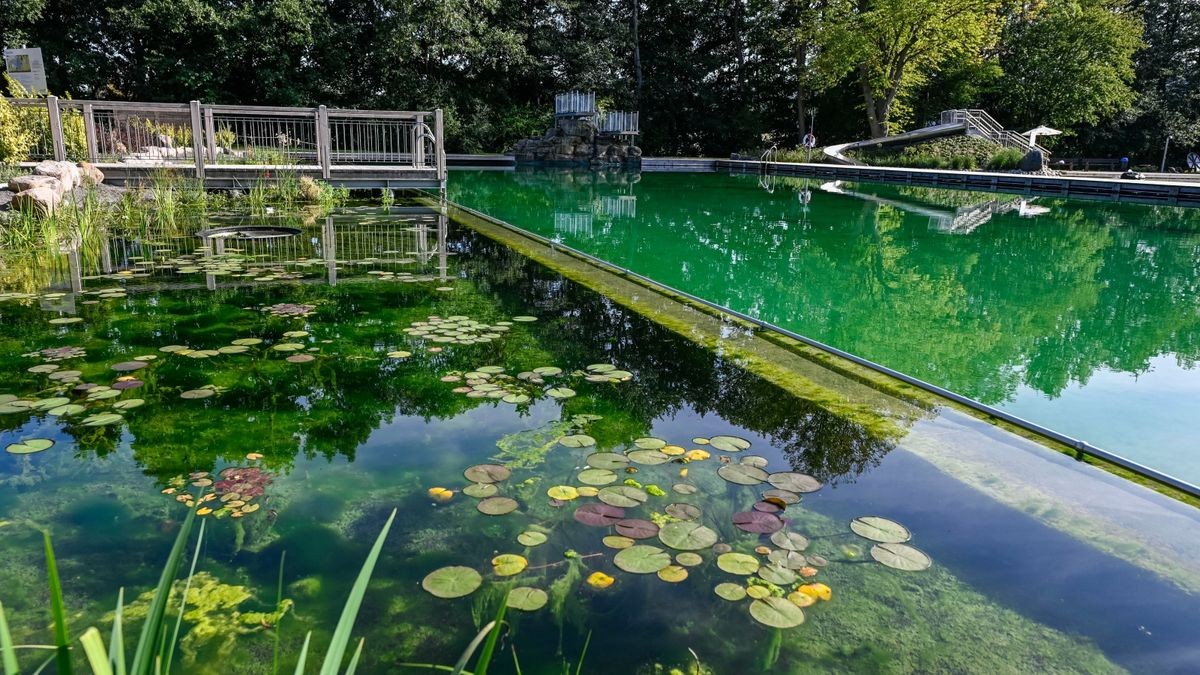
x: 637, y: 53
x: 801, y: 111
x: 869, y: 100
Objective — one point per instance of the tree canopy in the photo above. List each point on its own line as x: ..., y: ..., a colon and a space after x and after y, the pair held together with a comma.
x: 709, y: 76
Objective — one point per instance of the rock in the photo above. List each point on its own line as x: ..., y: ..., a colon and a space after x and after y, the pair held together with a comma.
x: 90, y: 175
x: 1034, y: 160
x: 66, y: 172
x: 39, y: 200
x: 23, y: 183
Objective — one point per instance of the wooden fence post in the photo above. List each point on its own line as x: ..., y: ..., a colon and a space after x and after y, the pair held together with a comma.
x: 89, y: 132
x: 440, y: 144
x: 197, y: 139
x: 56, y: 133
x: 418, y: 148
x: 210, y: 134
x: 324, y: 142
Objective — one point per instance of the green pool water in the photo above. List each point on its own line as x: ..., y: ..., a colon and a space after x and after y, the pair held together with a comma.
x: 1082, y: 316
x: 319, y: 383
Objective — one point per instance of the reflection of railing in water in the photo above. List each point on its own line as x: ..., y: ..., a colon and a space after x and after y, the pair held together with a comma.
x: 958, y: 220
x: 620, y: 206
x: 574, y: 224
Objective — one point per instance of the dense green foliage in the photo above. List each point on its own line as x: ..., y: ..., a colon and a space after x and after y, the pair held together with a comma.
x: 709, y: 76
x: 959, y: 152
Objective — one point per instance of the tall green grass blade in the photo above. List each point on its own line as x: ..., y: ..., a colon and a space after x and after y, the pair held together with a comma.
x: 583, y: 654
x: 341, y: 634
x: 303, y: 654
x: 278, y: 626
x: 61, y: 638
x: 116, y: 643
x: 432, y: 666
x: 44, y: 664
x: 516, y: 663
x: 170, y: 647
x: 489, y: 648
x: 93, y: 649
x: 8, y: 655
x: 354, y: 659
x: 144, y: 656
x: 470, y: 650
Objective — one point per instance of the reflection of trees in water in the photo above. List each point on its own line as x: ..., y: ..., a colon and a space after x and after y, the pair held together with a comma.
x: 1040, y: 302
x: 673, y: 373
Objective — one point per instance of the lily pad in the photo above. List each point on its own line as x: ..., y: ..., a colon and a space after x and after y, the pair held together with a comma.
x: 880, y: 530
x: 754, y: 460
x: 688, y: 559
x: 624, y: 496
x: 480, y: 490
x: 649, y: 457
x: 738, y: 563
x: 792, y: 560
x: 102, y: 420
x: 740, y: 474
x: 757, y: 522
x: 193, y: 394
x: 729, y: 443
x: 777, y: 574
x: 487, y: 473
x: 685, y: 489
x: 497, y: 506
x: 687, y: 536
x: 49, y: 403
x: 65, y: 320
x: 597, y: 477
x: 607, y: 460
x: 128, y: 366
x: 300, y: 358
x: 247, y: 342
x: 599, y: 515
x: 730, y: 591
x: 642, y: 559
x: 794, y: 482
x: 508, y: 564
x: 901, y: 557
x: 452, y: 582
x: 577, y: 441
x: 548, y: 371
x: 673, y: 574
x: 776, y: 612
x: 650, y: 443
x: 560, y: 392
x: 531, y: 538
x: 66, y: 410
x: 563, y: 492
x: 527, y: 599
x: 758, y: 592
x: 636, y: 528
x: 784, y: 496
x: 30, y: 446
x: 618, y: 542
x: 683, y: 511
x: 288, y: 347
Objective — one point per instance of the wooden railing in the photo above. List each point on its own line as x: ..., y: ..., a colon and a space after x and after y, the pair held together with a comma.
x: 197, y: 136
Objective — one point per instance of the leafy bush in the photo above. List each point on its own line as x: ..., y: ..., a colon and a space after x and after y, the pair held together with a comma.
x: 1006, y: 160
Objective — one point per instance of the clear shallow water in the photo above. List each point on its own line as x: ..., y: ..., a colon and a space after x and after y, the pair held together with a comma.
x: 1080, y: 316
x: 354, y: 433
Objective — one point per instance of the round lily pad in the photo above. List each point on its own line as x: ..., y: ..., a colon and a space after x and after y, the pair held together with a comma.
x: 497, y: 506
x: 649, y: 457
x: 776, y: 612
x: 577, y: 441
x: 508, y: 564
x: 757, y: 522
x: 754, y: 460
x: 685, y: 489
x: 587, y: 491
x: 688, y: 559
x: 738, y: 563
x: 792, y: 560
x: 607, y: 460
x: 197, y: 394
x: 683, y: 511
x: 730, y: 591
x: 288, y: 347
x: 901, y: 557
x: 599, y: 515
x: 452, y: 582
x: 65, y: 320
x: 597, y: 477
x: 487, y: 473
x: 642, y: 559
x: 171, y: 349
x: 740, y: 474
x: 777, y: 574
x: 563, y: 492
x: 527, y: 599
x: 624, y: 496
x: 480, y: 490
x: 758, y: 592
x: 548, y: 371
x: 636, y: 528
x: 531, y: 538
x: 102, y: 420
x: 617, y: 541
x: 794, y: 482
x: 650, y: 443
x: 560, y: 392
x: 247, y: 342
x: 127, y: 366
x: 673, y: 574
x: 49, y: 403
x: 516, y: 399
x: 880, y: 529
x: 790, y: 541
x: 600, y: 367
x: 30, y: 446
x: 126, y: 385
x: 524, y: 319
x: 687, y: 536
x: 66, y: 410
x: 784, y: 496
x: 729, y: 443
x: 233, y: 349
x: 300, y: 358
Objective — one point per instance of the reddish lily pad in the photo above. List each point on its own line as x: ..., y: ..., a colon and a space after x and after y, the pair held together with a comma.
x: 599, y: 515
x: 757, y: 522
x: 635, y: 528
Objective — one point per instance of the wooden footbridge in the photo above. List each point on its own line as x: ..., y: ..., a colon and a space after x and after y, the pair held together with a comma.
x: 233, y: 146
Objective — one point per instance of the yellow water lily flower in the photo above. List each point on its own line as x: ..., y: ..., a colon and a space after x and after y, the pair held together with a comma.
x: 696, y: 455
x: 599, y: 580
x: 819, y: 591
x: 440, y: 494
